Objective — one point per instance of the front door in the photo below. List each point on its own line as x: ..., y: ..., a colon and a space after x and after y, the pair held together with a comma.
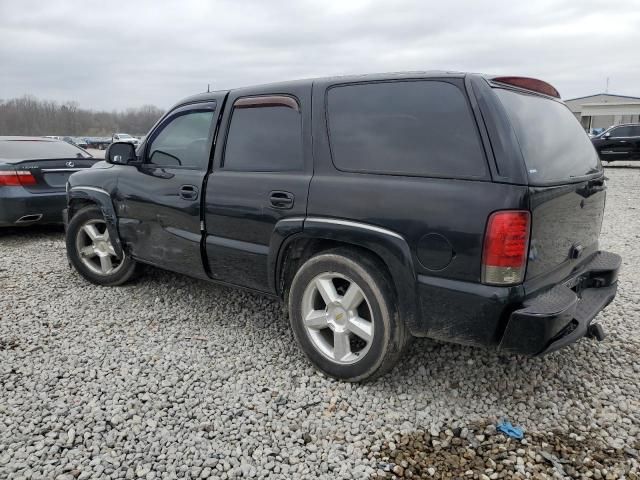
x: 261, y: 177
x: 158, y: 202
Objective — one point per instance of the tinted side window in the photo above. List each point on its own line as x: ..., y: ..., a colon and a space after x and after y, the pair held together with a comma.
x: 621, y: 132
x: 408, y: 128
x: 183, y: 142
x: 635, y: 131
x: 554, y: 145
x: 264, y: 137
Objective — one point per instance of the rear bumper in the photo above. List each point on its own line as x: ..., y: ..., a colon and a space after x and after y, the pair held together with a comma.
x: 562, y: 315
x: 510, y: 319
x: 16, y: 203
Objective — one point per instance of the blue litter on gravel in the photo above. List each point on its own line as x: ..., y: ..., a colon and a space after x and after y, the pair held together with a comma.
x: 510, y: 430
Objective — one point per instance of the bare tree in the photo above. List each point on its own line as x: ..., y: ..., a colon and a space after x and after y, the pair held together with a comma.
x: 28, y: 115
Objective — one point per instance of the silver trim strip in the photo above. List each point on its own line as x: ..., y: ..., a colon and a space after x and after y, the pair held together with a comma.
x: 348, y: 223
x: 292, y: 219
x: 92, y: 189
x: 47, y: 170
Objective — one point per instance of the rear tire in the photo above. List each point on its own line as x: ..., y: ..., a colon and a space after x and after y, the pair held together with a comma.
x: 343, y: 314
x: 91, y: 251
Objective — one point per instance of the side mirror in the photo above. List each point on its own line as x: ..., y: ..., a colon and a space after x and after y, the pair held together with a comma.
x: 606, y: 135
x: 120, y: 153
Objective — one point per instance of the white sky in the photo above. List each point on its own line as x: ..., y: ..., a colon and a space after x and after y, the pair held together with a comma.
x: 114, y: 55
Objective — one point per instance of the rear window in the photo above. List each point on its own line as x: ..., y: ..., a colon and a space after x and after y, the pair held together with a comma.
x: 264, y: 139
x: 420, y: 128
x: 18, y: 150
x: 554, y: 145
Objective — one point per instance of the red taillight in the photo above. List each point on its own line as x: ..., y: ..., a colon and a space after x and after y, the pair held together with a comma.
x: 532, y: 84
x: 506, y: 243
x: 18, y: 178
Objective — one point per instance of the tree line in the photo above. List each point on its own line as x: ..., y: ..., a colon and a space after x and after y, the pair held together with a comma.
x: 29, y: 115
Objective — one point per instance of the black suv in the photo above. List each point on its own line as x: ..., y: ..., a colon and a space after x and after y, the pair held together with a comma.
x: 621, y: 142
x: 454, y: 206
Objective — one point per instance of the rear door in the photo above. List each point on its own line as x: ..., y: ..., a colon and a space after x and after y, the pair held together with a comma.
x: 261, y: 177
x: 159, y: 202
x: 566, y: 183
x: 634, y: 140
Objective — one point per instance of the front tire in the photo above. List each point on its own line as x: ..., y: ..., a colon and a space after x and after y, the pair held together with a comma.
x: 91, y: 251
x: 344, y: 317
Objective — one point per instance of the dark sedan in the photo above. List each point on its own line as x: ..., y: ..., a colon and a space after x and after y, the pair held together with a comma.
x: 621, y: 142
x: 33, y: 175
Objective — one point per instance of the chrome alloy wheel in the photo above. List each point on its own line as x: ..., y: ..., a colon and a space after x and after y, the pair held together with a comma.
x: 337, y: 318
x: 95, y: 248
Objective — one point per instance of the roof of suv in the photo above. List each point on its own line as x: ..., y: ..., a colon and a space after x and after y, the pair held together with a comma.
x: 202, y: 97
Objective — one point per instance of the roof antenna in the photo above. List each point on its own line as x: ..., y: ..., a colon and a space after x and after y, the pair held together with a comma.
x: 607, y: 90
x: 209, y: 85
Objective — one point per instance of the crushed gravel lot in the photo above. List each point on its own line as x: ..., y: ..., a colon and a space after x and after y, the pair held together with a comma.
x: 171, y: 377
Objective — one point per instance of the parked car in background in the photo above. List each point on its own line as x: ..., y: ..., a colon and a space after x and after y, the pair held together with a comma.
x: 77, y: 141
x: 594, y: 132
x: 33, y: 175
x: 80, y: 142
x: 99, y: 143
x: 125, y: 137
x: 454, y: 206
x: 617, y: 143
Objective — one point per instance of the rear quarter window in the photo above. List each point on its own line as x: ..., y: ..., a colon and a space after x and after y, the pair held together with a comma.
x: 417, y: 128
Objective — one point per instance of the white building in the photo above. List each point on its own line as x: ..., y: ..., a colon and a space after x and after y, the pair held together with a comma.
x: 603, y: 110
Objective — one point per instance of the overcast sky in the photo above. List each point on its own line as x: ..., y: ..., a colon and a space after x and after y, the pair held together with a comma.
x: 113, y: 55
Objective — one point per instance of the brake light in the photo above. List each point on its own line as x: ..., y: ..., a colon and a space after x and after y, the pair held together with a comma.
x: 17, y: 178
x: 532, y: 84
x: 506, y: 243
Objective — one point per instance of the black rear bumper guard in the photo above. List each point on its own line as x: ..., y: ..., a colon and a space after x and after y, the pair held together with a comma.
x: 563, y: 314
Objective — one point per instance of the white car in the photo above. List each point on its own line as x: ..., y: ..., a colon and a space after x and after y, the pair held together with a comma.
x: 125, y: 137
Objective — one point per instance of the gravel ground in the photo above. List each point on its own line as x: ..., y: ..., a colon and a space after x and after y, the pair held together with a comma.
x: 172, y: 377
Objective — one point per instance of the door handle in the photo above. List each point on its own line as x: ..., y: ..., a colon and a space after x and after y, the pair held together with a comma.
x: 188, y: 192
x: 280, y: 199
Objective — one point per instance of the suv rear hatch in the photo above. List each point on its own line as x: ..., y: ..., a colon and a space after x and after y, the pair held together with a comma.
x: 566, y: 184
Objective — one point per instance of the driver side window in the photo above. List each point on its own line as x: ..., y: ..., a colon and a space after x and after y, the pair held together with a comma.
x: 620, y: 132
x: 183, y: 142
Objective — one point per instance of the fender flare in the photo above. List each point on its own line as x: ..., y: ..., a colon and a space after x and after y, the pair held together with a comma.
x: 102, y: 198
x: 388, y: 245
